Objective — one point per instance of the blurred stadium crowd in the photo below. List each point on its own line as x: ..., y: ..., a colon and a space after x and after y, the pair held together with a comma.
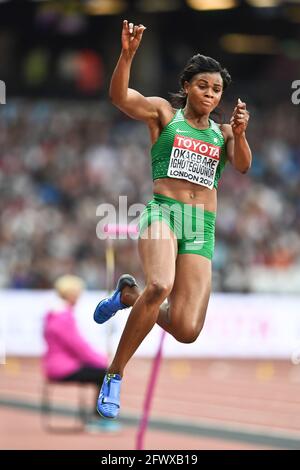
x: 60, y: 160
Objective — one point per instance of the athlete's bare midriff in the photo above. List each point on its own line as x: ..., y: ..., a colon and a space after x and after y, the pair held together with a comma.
x: 182, y: 190
x: 186, y: 192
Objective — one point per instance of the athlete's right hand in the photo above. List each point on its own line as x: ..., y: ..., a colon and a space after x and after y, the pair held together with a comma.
x: 131, y: 37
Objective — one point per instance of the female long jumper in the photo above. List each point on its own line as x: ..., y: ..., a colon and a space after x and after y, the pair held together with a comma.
x: 177, y: 228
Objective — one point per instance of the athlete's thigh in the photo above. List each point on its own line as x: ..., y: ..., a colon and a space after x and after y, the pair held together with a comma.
x: 158, y: 250
x: 189, y: 297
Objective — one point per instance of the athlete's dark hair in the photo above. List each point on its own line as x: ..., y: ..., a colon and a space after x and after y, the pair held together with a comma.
x: 197, y: 64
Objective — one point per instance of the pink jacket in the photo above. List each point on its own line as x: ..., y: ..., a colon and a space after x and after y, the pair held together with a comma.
x: 67, y: 351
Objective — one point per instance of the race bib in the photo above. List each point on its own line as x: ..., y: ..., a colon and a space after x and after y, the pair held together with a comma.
x: 194, y: 160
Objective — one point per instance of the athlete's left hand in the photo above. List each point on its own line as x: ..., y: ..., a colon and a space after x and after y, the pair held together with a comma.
x: 239, y: 119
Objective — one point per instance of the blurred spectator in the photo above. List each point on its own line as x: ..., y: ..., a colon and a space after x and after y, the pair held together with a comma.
x: 59, y: 161
x: 69, y: 358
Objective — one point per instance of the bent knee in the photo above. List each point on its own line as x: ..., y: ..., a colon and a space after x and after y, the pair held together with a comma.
x: 187, y: 336
x: 188, y: 333
x: 157, y: 291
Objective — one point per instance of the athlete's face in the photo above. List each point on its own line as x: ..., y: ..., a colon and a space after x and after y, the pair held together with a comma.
x: 204, y: 92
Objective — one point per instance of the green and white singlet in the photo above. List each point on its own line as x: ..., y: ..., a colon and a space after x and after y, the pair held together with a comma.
x: 194, y: 155
x: 187, y: 153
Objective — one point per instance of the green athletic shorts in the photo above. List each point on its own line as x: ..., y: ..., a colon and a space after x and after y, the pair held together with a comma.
x: 193, y: 227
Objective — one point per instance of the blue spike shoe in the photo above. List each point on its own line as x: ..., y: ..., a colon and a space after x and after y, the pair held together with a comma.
x: 108, y: 405
x: 108, y: 307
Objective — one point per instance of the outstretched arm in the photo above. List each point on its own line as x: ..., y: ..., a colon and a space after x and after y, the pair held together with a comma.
x: 237, y: 147
x: 130, y: 101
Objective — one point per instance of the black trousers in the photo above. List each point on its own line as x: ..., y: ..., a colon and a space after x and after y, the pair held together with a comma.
x: 88, y: 375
